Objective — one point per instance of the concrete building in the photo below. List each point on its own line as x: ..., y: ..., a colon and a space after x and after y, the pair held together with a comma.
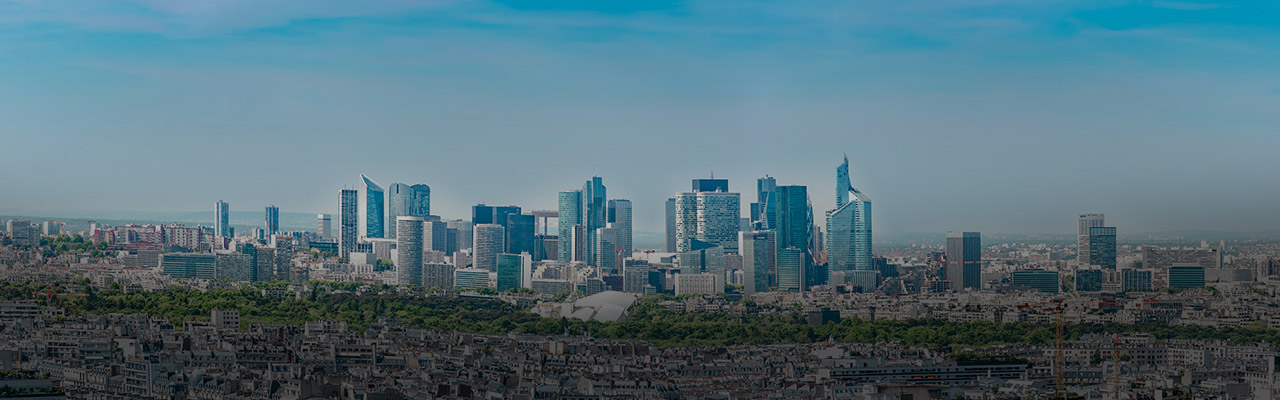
x: 488, y: 242
x: 1083, y: 245
x: 711, y: 217
x: 964, y: 260
x: 759, y: 260
x: 409, y: 243
x: 696, y: 284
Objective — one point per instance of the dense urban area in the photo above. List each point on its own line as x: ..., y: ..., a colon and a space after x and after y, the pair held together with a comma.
x: 559, y: 304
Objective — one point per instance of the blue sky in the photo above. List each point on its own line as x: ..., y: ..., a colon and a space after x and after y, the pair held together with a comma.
x: 989, y: 115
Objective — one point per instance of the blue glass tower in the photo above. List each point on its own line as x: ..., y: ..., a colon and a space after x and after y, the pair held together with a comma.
x: 374, y: 200
x: 849, y: 226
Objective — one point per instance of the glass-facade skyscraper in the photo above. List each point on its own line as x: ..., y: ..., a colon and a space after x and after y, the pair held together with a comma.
x: 375, y: 218
x: 849, y: 226
x: 409, y: 246
x: 791, y: 269
x: 1083, y: 224
x: 620, y: 219
x: 407, y: 201
x: 759, y: 260
x: 348, y: 221
x: 595, y: 214
x: 794, y: 221
x: 711, y: 217
x: 1102, y: 247
x: 221, y: 219
x: 570, y: 207
x: 273, y: 220
x: 964, y: 260
x: 764, y: 211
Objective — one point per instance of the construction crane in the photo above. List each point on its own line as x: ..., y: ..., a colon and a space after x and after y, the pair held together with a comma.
x: 1059, y: 353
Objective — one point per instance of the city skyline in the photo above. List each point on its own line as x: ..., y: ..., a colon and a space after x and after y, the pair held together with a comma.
x: 1037, y: 102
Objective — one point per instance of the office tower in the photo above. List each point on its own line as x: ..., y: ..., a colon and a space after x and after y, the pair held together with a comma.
x: 711, y: 217
x: 703, y: 257
x: 794, y: 218
x: 514, y: 271
x: 764, y: 211
x: 570, y: 207
x: 23, y: 232
x: 620, y: 218
x: 435, y: 237
x: 53, y: 228
x: 671, y: 225
x: 409, y: 244
x: 486, y: 214
x: 594, y: 214
x: 545, y: 247
x: 696, y: 284
x: 1101, y: 242
x: 848, y: 226
x: 759, y: 259
x: 488, y: 244
x: 437, y: 275
x: 964, y: 260
x: 273, y: 220
x: 324, y: 226
x: 519, y: 229
x: 791, y: 269
x: 711, y: 185
x: 609, y: 250
x: 1135, y: 280
x: 462, y: 234
x: 1083, y: 224
x: 373, y: 218
x: 349, y: 221
x: 1089, y: 280
x: 578, y: 243
x: 1036, y: 279
x: 1186, y: 276
x: 221, y: 219
x: 407, y: 201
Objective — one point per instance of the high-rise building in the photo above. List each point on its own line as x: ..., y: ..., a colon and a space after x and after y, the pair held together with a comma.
x: 514, y: 271
x: 461, y: 231
x: 1083, y: 224
x: 407, y: 201
x: 374, y: 218
x: 409, y: 244
x: 1101, y: 243
x: 488, y: 244
x: 964, y: 260
x: 671, y: 225
x: 794, y: 218
x: 849, y: 226
x: 1036, y: 279
x: 620, y: 219
x: 704, y: 257
x: 273, y: 220
x: 349, y: 221
x: 710, y: 185
x: 435, y: 237
x: 595, y: 214
x: 791, y: 269
x: 711, y: 217
x: 520, y: 230
x: 764, y: 211
x: 1186, y: 276
x: 759, y: 259
x: 437, y: 275
x: 324, y: 226
x: 570, y: 207
x: 607, y: 256
x: 1089, y: 280
x: 221, y: 219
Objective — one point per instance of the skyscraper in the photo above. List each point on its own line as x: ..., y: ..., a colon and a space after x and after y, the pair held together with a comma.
x: 1102, y: 247
x: 620, y: 219
x: 671, y: 225
x: 488, y: 244
x: 374, y: 217
x: 794, y: 221
x: 435, y: 237
x: 349, y: 220
x: 409, y: 244
x: 404, y: 200
x: 764, y: 211
x: 221, y: 219
x: 712, y: 217
x: 1083, y: 223
x: 791, y: 269
x: 520, y: 230
x: 964, y: 260
x: 849, y: 226
x: 570, y: 207
x: 759, y: 259
x: 324, y: 226
x: 701, y: 258
x: 710, y: 185
x: 607, y: 249
x: 594, y: 214
x: 514, y: 271
x: 273, y: 220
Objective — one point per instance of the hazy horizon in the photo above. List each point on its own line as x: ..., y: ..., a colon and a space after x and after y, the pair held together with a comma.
x: 982, y: 115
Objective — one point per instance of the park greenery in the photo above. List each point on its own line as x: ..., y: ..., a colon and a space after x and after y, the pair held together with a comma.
x: 650, y: 321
